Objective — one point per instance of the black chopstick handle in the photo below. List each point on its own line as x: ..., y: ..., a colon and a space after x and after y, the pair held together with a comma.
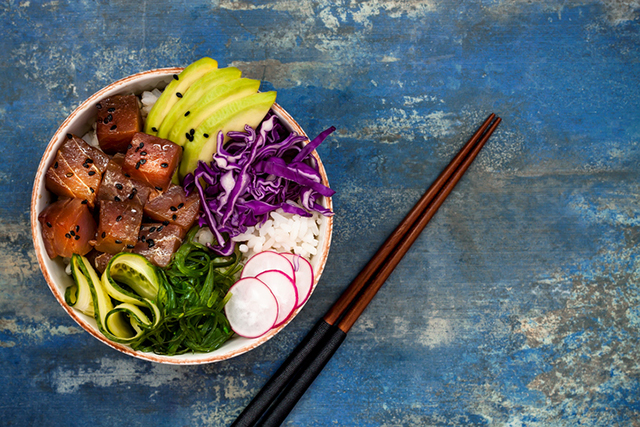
x: 281, y: 408
x: 256, y: 408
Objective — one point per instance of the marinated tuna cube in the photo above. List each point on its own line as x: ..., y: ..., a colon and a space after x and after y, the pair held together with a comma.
x: 119, y: 187
x: 152, y: 160
x: 118, y: 120
x: 173, y: 207
x: 77, y: 170
x: 118, y: 226
x: 67, y: 228
x: 158, y: 242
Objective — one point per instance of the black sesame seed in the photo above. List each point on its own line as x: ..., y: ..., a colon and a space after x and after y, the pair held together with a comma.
x: 138, y: 165
x: 92, y: 190
x: 159, y: 188
x: 88, y: 160
x: 91, y: 173
x: 175, y: 77
x: 160, y: 228
x: 134, y: 190
x: 154, y: 129
x: 55, y: 165
x: 143, y: 238
x: 143, y: 161
x: 129, y: 147
x: 119, y: 218
x: 117, y: 199
x: 165, y: 222
x: 174, y: 217
x: 99, y: 106
x: 119, y: 186
x: 151, y: 243
x: 77, y: 228
x: 104, y: 234
x: 152, y: 229
x: 187, y: 134
x: 192, y: 131
x: 111, y: 110
x: 118, y: 242
x: 181, y: 205
x: 130, y: 196
x: 114, y: 127
x: 127, y: 175
x: 187, y: 113
x: 165, y: 165
x: 173, y: 208
x: 141, y: 145
x: 84, y: 202
x: 143, y: 153
x: 49, y: 224
x: 67, y: 235
x: 86, y: 166
x: 109, y: 117
x: 178, y: 94
x: 73, y: 233
x: 105, y: 121
x: 77, y: 237
x: 69, y: 136
x: 130, y: 246
x: 206, y: 135
x: 69, y: 174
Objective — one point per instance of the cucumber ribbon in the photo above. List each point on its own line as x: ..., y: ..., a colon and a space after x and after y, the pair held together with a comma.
x: 126, y: 299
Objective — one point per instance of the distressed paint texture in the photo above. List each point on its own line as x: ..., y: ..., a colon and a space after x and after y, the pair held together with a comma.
x: 518, y: 306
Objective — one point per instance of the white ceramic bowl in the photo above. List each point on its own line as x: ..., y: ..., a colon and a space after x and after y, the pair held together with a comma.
x: 79, y: 122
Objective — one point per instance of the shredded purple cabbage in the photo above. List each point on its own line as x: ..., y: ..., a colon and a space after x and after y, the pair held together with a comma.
x: 253, y: 174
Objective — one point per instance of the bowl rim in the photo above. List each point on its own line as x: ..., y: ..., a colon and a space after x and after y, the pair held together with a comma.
x: 38, y: 190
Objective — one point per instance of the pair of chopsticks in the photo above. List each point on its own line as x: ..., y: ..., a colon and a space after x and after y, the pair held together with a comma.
x: 277, y: 398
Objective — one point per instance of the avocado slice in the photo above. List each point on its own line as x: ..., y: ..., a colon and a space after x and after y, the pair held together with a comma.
x: 249, y: 110
x: 175, y: 90
x: 208, y: 105
x: 195, y: 92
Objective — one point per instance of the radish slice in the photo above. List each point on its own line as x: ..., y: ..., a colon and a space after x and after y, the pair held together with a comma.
x: 284, y: 290
x: 265, y: 261
x: 303, y: 276
x: 252, y: 309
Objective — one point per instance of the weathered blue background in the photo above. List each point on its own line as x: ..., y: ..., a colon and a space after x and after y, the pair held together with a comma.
x: 518, y: 306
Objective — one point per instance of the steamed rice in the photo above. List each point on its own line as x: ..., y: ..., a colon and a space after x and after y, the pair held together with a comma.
x: 282, y: 232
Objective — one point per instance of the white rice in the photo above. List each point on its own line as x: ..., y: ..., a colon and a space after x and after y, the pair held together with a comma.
x: 91, y: 137
x: 282, y: 232
x: 148, y: 99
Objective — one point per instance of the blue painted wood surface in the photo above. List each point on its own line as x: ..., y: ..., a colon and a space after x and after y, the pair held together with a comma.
x: 519, y: 304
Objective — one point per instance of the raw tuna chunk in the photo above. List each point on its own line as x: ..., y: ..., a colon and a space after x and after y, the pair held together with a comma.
x: 118, y: 226
x: 157, y: 243
x: 67, y: 228
x: 118, y: 120
x: 77, y: 170
x: 173, y: 207
x: 118, y: 187
x: 152, y: 160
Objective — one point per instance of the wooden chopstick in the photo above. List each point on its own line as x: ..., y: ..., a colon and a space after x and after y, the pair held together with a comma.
x: 281, y: 393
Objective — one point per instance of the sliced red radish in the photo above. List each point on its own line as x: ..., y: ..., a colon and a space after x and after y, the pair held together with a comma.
x: 265, y: 261
x: 252, y: 309
x: 284, y: 290
x: 303, y: 278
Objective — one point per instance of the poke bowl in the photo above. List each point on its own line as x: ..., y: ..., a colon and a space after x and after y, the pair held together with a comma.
x: 57, y: 270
